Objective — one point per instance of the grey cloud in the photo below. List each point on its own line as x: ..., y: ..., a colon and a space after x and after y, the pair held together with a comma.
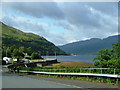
x: 101, y: 24
x: 80, y: 13
x: 64, y: 24
x: 77, y: 13
x: 36, y: 9
x: 105, y: 7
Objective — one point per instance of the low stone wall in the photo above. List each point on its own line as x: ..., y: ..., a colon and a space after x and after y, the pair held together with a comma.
x: 42, y: 63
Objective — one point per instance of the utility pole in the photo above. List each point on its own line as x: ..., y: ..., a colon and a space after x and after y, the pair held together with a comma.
x: 55, y: 55
x: 46, y: 54
x: 43, y: 52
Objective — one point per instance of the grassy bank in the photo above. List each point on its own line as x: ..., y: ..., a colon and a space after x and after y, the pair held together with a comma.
x: 90, y: 79
x: 71, y: 64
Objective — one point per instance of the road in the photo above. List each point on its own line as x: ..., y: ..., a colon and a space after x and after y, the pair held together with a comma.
x: 17, y: 81
x: 32, y: 81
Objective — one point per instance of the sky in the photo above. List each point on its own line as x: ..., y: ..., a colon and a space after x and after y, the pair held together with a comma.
x: 63, y: 22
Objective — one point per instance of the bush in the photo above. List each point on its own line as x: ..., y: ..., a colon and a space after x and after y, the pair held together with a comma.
x: 35, y: 56
x: 108, y: 58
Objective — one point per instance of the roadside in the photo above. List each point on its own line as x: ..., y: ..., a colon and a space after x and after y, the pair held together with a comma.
x: 77, y: 83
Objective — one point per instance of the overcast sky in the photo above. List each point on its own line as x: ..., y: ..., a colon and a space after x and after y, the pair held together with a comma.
x: 63, y: 22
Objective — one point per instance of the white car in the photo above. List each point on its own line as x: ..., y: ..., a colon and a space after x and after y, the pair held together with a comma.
x: 25, y: 60
x: 7, y: 60
x: 15, y: 59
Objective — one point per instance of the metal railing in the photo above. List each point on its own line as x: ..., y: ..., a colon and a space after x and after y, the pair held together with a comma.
x: 83, y: 70
x: 87, y: 72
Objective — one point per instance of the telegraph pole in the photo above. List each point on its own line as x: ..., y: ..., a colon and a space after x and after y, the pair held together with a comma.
x: 55, y: 55
x: 43, y: 52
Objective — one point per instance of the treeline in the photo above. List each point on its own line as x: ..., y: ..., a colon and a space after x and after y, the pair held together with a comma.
x: 108, y: 58
x: 42, y: 46
x: 21, y: 52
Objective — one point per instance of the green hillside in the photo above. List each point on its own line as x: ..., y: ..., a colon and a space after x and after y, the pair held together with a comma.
x: 12, y: 37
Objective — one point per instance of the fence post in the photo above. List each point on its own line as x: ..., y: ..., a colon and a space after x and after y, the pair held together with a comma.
x: 89, y: 70
x: 117, y: 81
x: 101, y: 70
x: 114, y: 71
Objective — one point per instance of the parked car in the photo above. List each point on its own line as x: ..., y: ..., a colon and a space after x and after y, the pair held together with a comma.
x: 25, y: 60
x: 7, y: 60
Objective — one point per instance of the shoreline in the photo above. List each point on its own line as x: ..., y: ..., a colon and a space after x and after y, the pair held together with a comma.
x: 75, y: 61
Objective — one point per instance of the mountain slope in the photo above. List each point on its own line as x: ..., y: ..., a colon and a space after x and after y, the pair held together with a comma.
x: 91, y: 46
x: 17, y: 38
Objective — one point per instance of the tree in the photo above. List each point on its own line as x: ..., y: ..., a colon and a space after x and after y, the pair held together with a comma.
x: 35, y: 56
x: 29, y: 50
x: 3, y: 50
x: 22, y: 50
x: 8, y: 52
x: 116, y: 50
x: 16, y: 53
x: 108, y: 58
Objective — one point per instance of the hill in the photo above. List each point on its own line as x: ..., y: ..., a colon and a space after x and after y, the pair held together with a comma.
x: 14, y: 37
x: 91, y: 46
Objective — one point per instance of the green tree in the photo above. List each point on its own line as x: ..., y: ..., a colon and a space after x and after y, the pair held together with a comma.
x: 29, y: 50
x: 8, y: 52
x: 22, y: 50
x: 35, y: 56
x: 116, y: 50
x: 16, y: 53
x: 108, y: 58
x: 3, y: 50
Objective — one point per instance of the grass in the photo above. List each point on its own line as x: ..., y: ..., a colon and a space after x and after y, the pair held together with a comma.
x: 91, y: 79
x: 71, y: 64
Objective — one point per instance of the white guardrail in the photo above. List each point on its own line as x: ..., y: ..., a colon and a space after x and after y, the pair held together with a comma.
x: 81, y: 70
x: 73, y: 74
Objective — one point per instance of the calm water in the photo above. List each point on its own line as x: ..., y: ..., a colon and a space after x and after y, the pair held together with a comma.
x: 81, y: 58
